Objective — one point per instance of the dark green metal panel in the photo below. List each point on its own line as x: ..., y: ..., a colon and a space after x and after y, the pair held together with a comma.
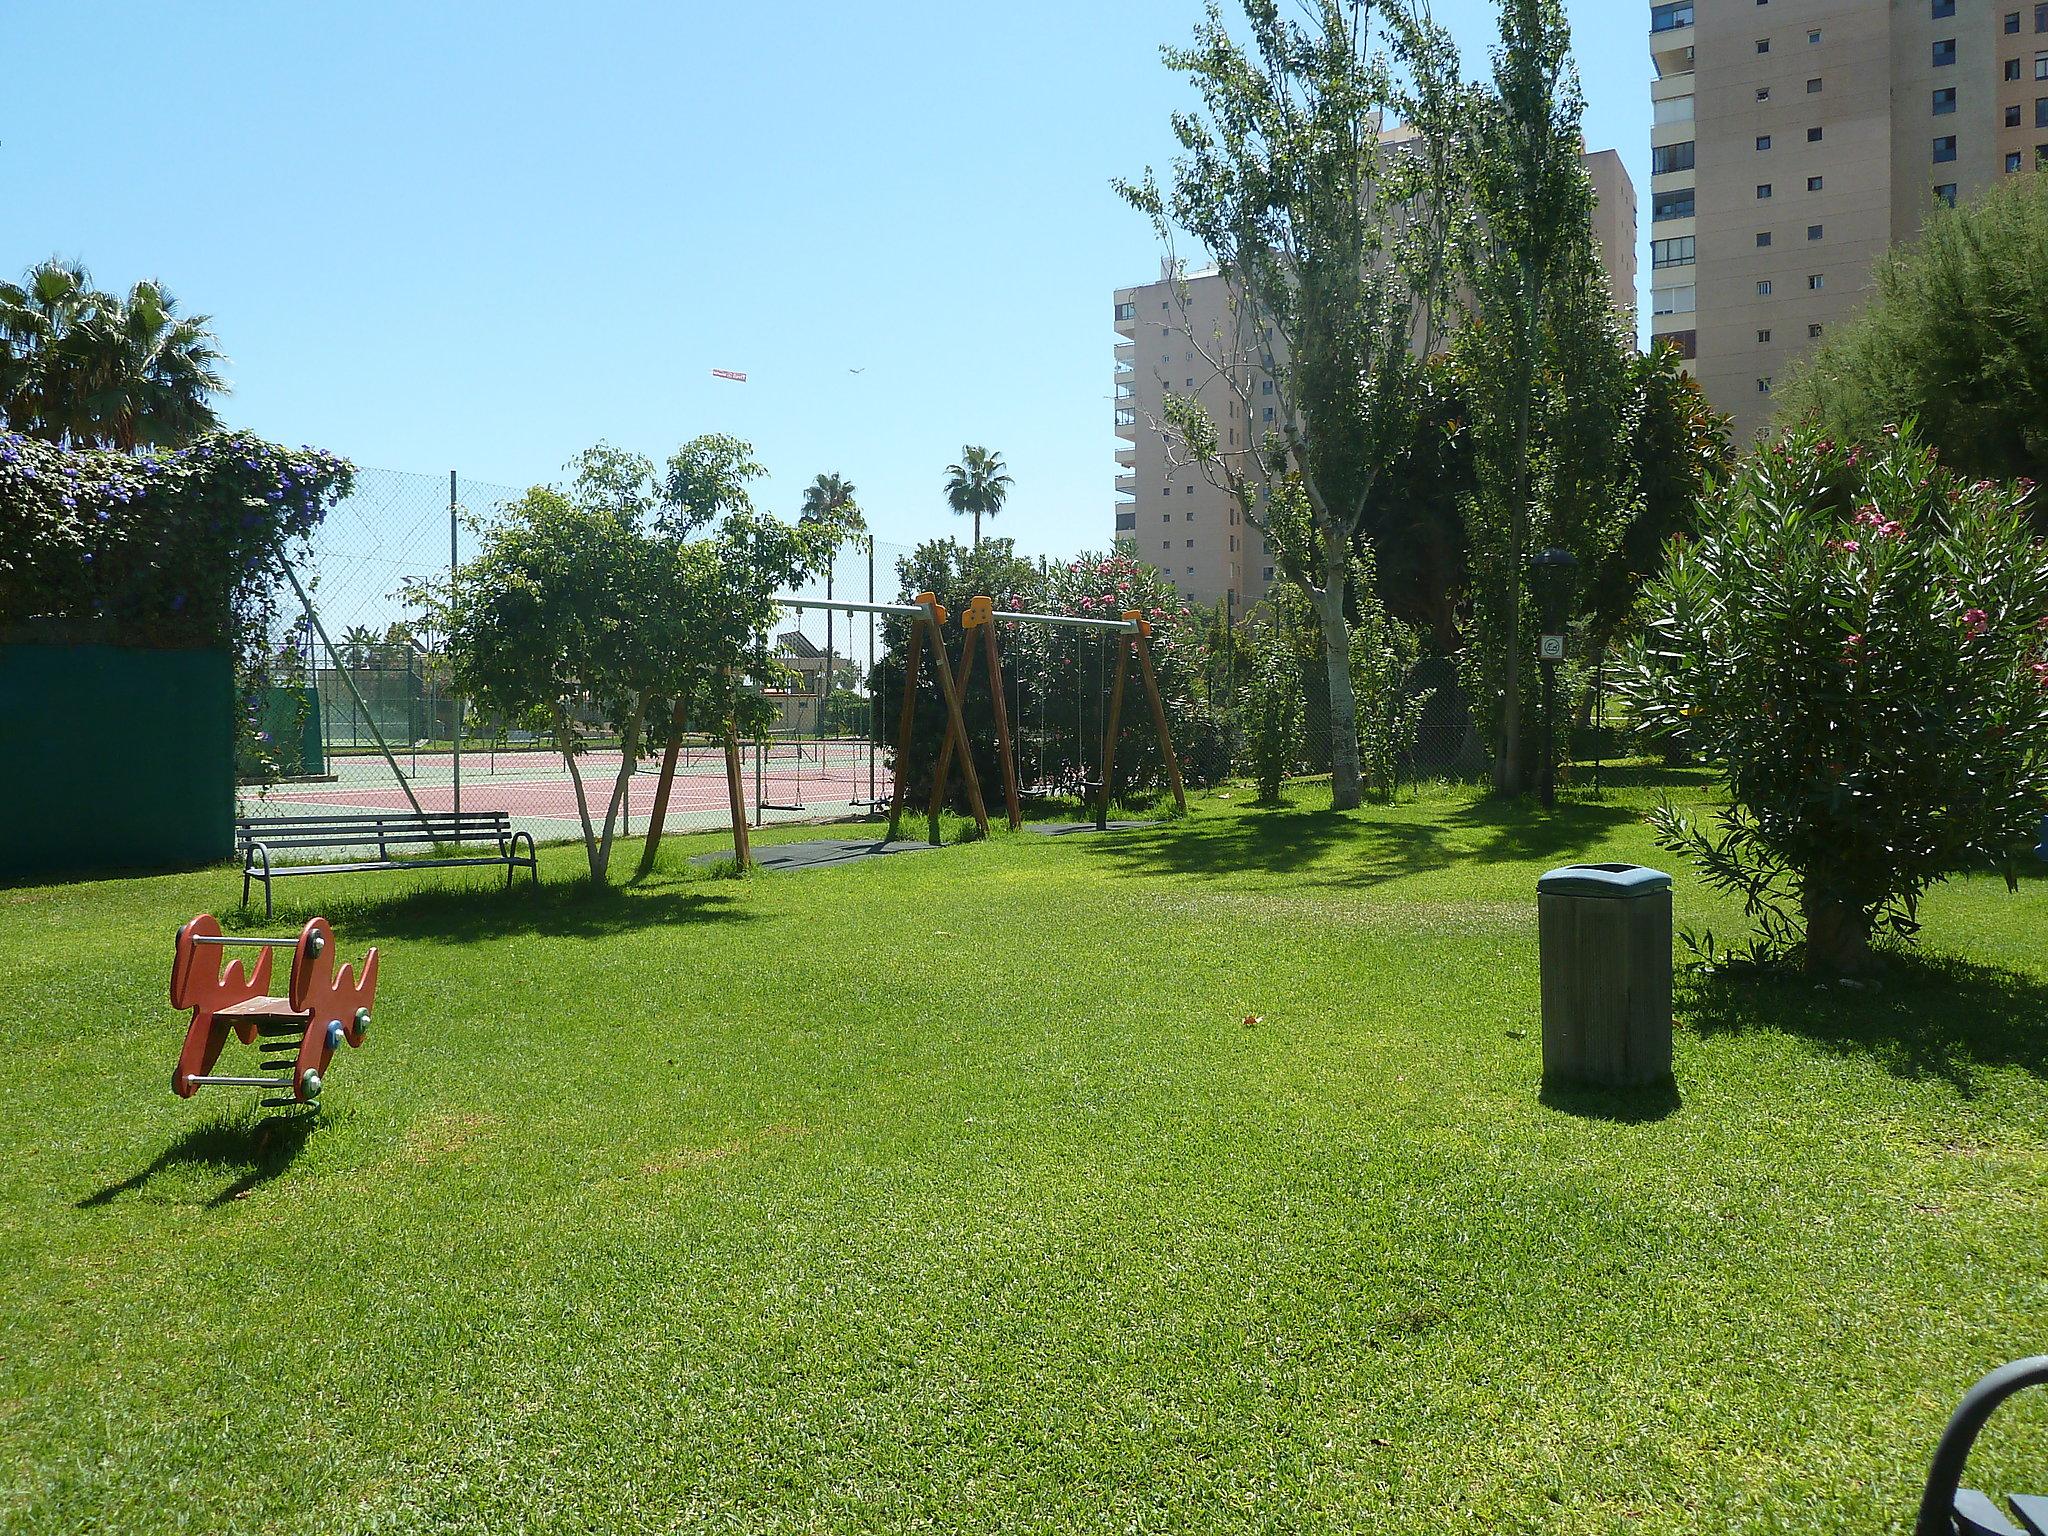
x: 114, y: 757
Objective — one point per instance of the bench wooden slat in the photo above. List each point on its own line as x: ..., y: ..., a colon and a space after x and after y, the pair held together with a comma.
x: 260, y: 836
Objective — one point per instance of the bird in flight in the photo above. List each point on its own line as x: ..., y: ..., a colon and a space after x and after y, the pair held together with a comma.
x: 856, y: 370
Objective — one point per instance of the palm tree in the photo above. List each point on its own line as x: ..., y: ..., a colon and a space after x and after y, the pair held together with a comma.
x: 829, y: 496
x: 150, y: 370
x: 977, y: 485
x: 358, y: 646
x: 98, y: 370
x: 39, y: 319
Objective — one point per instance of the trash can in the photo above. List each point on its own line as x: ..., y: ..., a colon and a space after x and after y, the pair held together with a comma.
x: 1604, y: 932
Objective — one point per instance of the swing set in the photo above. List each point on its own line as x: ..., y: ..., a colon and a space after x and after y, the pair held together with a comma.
x: 978, y: 621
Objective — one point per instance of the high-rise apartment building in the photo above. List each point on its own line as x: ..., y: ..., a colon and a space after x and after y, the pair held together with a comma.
x: 1794, y: 140
x: 1171, y: 516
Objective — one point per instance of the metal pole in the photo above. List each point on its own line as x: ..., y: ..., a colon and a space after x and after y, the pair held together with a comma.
x: 334, y: 656
x: 452, y: 557
x: 1549, y: 779
x: 873, y: 747
x: 758, y: 821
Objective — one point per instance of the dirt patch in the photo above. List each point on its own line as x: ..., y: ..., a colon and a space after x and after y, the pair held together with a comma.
x: 701, y: 1157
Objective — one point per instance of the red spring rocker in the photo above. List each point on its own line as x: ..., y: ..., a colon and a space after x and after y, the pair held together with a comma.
x: 296, y: 1035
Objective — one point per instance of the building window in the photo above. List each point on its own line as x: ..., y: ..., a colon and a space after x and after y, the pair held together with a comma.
x: 1265, y: 386
x: 1813, y: 36
x: 1763, y: 141
x: 2012, y: 21
x: 2012, y: 69
x: 1944, y: 9
x: 2041, y: 157
x: 1671, y: 205
x: 1679, y: 300
x: 1813, y: 332
x: 1763, y: 93
x: 1763, y: 385
x: 1816, y: 282
x: 1763, y: 238
x: 1944, y: 149
x: 1672, y: 109
x: 1944, y: 101
x: 1813, y: 231
x: 1269, y: 573
x: 1763, y: 338
x: 1166, y: 544
x: 1763, y: 45
x: 1669, y: 18
x: 1269, y: 413
x: 1126, y: 311
x: 1189, y: 490
x: 2012, y: 116
x: 1813, y: 135
x: 1947, y: 193
x: 2041, y: 66
x: 1671, y: 157
x: 1191, y: 543
x: 1763, y: 191
x: 2041, y: 18
x: 1763, y: 289
x: 2041, y: 111
x: 1944, y: 53
x: 2012, y: 162
x: 1813, y: 87
x: 1815, y: 183
x: 1685, y: 343
x: 1672, y: 253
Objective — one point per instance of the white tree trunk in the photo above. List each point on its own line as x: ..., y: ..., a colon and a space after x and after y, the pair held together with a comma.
x: 1345, y: 790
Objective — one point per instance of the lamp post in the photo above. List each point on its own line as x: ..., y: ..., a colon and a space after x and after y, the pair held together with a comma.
x: 1550, y: 578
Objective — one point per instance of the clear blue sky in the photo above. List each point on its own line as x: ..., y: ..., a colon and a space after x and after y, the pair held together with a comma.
x: 481, y: 236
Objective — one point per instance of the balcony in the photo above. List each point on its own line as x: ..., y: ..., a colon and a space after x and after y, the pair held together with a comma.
x: 1127, y: 423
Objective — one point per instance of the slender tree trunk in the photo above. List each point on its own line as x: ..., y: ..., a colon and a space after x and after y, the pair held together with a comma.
x: 564, y: 740
x: 1509, y: 771
x: 658, y: 816
x: 1345, y: 791
x: 1837, y: 938
x: 629, y: 753
x: 977, y: 527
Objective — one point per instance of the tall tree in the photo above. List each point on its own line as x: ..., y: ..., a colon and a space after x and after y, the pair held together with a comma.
x: 1545, y: 365
x: 829, y: 499
x: 104, y: 370
x: 1955, y: 338
x: 1335, y: 238
x: 977, y: 485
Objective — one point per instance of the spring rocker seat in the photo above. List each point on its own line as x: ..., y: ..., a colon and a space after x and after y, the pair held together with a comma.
x: 296, y: 1034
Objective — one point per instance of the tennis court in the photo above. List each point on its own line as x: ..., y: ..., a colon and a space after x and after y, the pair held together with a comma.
x: 781, y: 781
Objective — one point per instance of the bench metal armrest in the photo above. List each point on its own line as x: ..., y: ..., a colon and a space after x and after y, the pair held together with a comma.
x: 1945, y: 1475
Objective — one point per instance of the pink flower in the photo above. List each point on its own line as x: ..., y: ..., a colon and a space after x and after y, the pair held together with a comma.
x: 1846, y: 546
x: 1855, y: 457
x: 1987, y: 485
x: 1852, y: 650
x: 2041, y: 673
x: 1975, y: 622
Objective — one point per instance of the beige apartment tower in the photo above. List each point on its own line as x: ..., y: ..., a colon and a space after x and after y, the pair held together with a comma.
x: 1794, y: 140
x: 1172, y: 517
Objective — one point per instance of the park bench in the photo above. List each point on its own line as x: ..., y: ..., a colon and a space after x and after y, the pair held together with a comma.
x: 260, y: 838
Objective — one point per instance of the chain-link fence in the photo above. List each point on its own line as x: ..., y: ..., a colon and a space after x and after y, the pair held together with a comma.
x: 363, y: 717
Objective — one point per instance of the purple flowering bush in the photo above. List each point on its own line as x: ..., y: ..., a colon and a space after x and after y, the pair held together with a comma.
x: 1857, y: 641
x: 176, y: 547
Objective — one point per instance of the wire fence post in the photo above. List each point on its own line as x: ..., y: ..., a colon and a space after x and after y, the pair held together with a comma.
x: 457, y: 701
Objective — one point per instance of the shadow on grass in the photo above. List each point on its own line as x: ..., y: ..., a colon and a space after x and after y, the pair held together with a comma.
x: 1644, y: 773
x: 1930, y: 1017
x: 1624, y: 1106
x: 253, y: 1151
x: 1350, y: 849
x: 467, y: 914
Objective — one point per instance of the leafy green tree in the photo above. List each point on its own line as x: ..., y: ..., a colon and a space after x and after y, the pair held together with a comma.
x: 104, y: 370
x: 1336, y: 244
x: 1383, y: 655
x: 1954, y: 339
x: 1545, y: 362
x: 1858, y: 643
x: 830, y: 498
x: 1272, y: 709
x: 977, y: 486
x: 568, y: 602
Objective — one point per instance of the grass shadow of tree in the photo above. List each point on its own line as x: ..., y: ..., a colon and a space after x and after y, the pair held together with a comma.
x: 1318, y: 847
x: 1623, y: 1106
x: 470, y: 913
x: 1931, y: 1016
x: 1517, y: 830
x: 254, y: 1150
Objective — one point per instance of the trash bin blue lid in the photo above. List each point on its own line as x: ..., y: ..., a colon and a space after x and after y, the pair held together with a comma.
x: 1615, y: 881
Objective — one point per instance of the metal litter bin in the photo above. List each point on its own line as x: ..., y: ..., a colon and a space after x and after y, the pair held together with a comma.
x: 1604, y: 932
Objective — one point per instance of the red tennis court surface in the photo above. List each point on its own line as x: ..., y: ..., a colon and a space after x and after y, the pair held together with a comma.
x: 786, y: 784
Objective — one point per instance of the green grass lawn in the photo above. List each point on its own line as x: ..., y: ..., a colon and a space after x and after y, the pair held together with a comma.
x: 958, y: 1191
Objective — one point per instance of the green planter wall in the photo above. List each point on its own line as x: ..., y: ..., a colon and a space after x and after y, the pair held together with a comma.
x: 114, y: 757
